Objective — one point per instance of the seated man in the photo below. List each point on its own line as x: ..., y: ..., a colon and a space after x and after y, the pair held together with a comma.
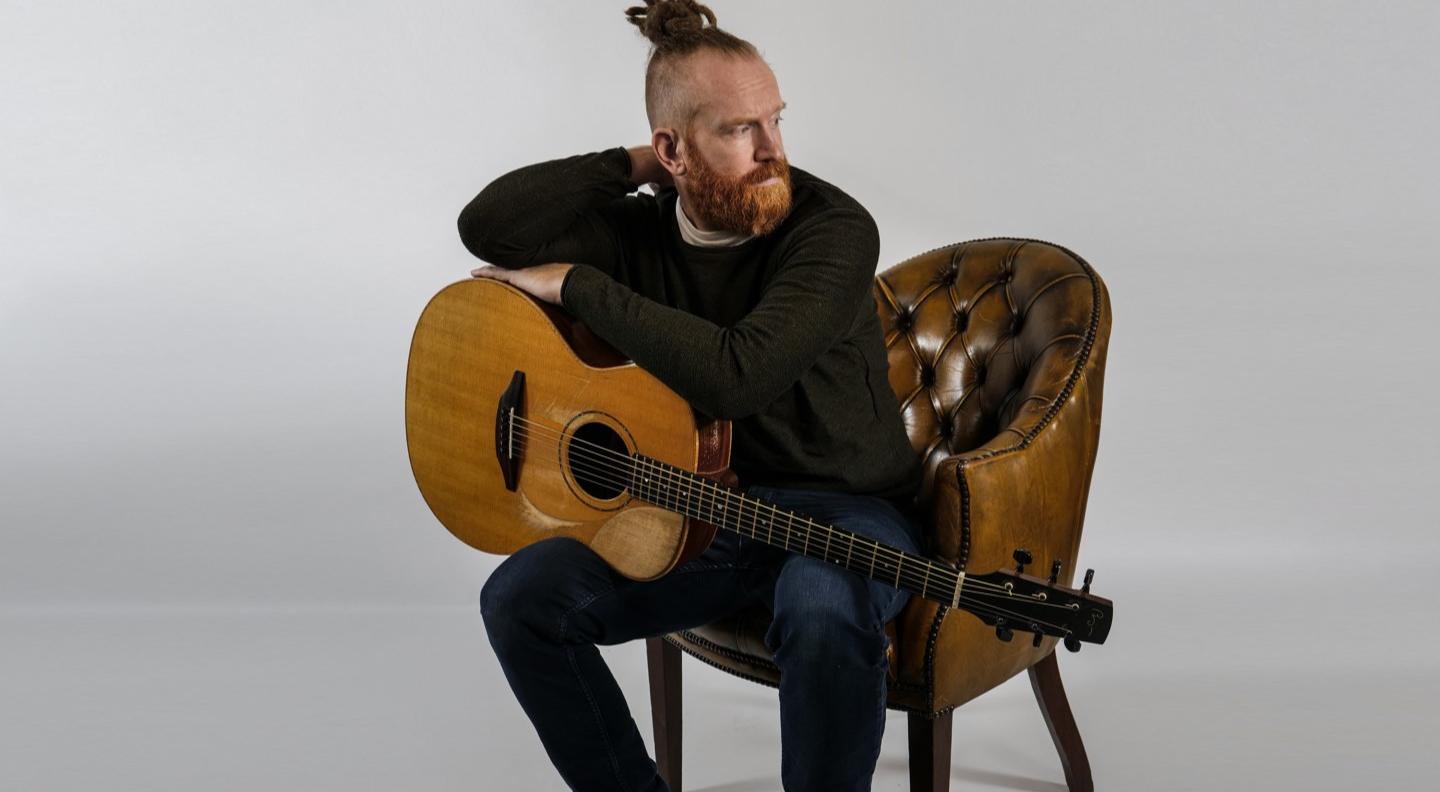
x: 745, y: 286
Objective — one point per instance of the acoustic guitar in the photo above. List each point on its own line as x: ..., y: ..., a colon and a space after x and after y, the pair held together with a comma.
x: 523, y: 425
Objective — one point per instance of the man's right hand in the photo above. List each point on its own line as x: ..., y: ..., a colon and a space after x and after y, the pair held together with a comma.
x: 645, y: 167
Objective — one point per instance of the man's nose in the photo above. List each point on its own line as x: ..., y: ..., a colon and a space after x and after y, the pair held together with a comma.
x: 767, y: 144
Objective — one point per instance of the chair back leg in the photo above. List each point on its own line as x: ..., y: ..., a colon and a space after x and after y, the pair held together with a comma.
x: 663, y: 660
x: 930, y: 753
x: 1050, y: 695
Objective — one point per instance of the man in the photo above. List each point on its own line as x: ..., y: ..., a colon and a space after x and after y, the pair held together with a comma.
x: 744, y: 285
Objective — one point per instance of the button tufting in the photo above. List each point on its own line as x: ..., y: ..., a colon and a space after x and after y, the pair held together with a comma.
x: 961, y: 320
x: 927, y: 376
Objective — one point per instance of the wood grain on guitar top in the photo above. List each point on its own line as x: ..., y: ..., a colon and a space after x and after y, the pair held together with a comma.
x: 469, y: 342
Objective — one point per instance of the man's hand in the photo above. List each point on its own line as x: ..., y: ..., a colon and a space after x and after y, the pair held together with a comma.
x: 543, y: 281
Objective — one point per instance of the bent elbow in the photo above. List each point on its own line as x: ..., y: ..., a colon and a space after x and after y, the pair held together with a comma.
x: 471, y: 224
x: 477, y: 234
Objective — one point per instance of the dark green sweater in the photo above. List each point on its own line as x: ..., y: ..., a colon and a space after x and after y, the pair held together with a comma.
x: 778, y: 334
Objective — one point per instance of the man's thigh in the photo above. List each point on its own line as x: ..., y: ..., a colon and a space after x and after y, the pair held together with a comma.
x: 571, y: 594
x: 813, y: 585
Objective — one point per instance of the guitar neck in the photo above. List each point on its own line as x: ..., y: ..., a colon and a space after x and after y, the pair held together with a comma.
x: 684, y: 492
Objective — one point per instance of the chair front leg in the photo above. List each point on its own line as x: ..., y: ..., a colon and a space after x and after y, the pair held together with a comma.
x: 930, y: 753
x: 1050, y: 695
x: 663, y: 661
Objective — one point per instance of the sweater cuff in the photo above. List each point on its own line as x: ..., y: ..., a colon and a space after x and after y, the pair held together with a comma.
x: 582, y: 279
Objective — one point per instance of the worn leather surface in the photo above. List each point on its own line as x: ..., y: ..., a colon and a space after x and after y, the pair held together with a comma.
x: 997, y: 354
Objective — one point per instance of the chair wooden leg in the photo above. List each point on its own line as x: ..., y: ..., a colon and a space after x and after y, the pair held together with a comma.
x: 1050, y: 694
x: 930, y: 753
x: 663, y: 660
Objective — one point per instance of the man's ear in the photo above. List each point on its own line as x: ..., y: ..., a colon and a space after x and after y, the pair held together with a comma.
x: 667, y: 145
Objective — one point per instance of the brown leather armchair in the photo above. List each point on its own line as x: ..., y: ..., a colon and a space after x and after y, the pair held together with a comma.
x: 997, y: 355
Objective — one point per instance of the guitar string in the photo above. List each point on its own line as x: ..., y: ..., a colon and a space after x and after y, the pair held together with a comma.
x: 966, y: 596
x: 913, y: 578
x: 916, y: 580
x: 727, y: 492
x: 713, y: 493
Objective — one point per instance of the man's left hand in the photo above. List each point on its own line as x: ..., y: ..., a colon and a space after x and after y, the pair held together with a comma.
x: 543, y: 281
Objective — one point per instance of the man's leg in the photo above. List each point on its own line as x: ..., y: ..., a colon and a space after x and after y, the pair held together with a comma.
x: 547, y: 607
x: 829, y: 641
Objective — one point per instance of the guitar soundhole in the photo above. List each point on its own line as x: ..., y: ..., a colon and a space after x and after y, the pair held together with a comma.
x: 598, y: 460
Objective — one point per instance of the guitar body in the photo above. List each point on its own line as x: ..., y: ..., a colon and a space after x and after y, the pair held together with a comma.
x: 583, y: 407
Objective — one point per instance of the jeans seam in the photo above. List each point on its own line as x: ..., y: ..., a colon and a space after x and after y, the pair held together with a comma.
x: 599, y: 719
x: 580, y: 678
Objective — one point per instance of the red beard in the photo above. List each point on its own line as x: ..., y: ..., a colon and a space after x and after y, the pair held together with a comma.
x: 739, y: 204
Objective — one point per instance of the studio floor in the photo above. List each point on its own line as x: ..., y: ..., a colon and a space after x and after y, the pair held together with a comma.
x: 360, y: 700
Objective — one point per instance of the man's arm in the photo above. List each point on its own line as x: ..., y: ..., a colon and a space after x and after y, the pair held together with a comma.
x: 507, y: 222
x: 824, y: 282
x: 560, y: 210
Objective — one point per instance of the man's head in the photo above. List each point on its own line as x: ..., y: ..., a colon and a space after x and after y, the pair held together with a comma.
x: 714, y: 109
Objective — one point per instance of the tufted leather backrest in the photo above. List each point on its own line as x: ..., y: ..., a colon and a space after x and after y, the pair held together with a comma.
x: 985, y: 340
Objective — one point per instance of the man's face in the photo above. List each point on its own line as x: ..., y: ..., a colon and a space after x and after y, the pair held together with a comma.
x: 738, y: 178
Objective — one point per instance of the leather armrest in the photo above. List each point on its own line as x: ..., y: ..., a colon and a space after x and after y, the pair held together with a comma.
x: 988, y: 501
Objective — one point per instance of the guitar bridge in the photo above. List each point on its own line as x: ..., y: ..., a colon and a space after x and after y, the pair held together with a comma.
x: 507, y: 415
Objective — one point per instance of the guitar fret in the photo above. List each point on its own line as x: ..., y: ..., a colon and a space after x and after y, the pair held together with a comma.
x: 686, y: 493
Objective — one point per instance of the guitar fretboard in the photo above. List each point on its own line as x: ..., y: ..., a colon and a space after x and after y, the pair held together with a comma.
x: 684, y: 492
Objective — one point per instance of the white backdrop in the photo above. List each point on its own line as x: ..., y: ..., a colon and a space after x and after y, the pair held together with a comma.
x: 219, y: 222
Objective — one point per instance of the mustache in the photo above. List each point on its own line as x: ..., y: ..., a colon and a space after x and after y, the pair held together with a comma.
x: 780, y: 168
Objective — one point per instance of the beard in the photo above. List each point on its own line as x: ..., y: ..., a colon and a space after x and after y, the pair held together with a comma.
x: 739, y: 204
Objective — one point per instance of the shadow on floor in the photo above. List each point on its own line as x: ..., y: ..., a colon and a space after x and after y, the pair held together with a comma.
x: 752, y: 785
x: 983, y: 778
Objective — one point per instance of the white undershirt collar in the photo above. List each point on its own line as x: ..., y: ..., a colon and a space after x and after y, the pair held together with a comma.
x: 700, y: 238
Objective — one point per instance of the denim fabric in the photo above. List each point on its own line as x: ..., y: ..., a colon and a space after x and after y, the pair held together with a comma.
x: 549, y: 605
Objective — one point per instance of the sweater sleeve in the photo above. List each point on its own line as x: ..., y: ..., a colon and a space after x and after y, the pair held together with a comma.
x: 560, y: 210
x: 825, y: 276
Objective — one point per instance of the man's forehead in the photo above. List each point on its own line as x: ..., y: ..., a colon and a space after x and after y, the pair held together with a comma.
x: 736, y: 89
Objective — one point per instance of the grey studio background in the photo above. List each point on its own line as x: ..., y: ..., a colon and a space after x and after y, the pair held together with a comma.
x: 219, y: 223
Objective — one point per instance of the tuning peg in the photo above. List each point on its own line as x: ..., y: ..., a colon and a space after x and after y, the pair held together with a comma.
x: 1002, y: 632
x: 1039, y: 636
x: 1055, y: 572
x: 1089, y: 576
x: 1071, y: 642
x: 1022, y: 557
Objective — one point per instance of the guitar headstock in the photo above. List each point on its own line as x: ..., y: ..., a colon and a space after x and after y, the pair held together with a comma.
x: 1012, y: 600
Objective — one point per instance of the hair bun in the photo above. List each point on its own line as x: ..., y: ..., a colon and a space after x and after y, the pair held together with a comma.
x: 663, y: 21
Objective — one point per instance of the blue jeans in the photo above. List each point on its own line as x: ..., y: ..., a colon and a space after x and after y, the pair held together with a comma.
x: 549, y: 605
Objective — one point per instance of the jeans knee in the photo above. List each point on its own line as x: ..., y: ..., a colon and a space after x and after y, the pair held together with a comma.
x: 527, y: 595
x: 831, y: 631
x: 498, y: 597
